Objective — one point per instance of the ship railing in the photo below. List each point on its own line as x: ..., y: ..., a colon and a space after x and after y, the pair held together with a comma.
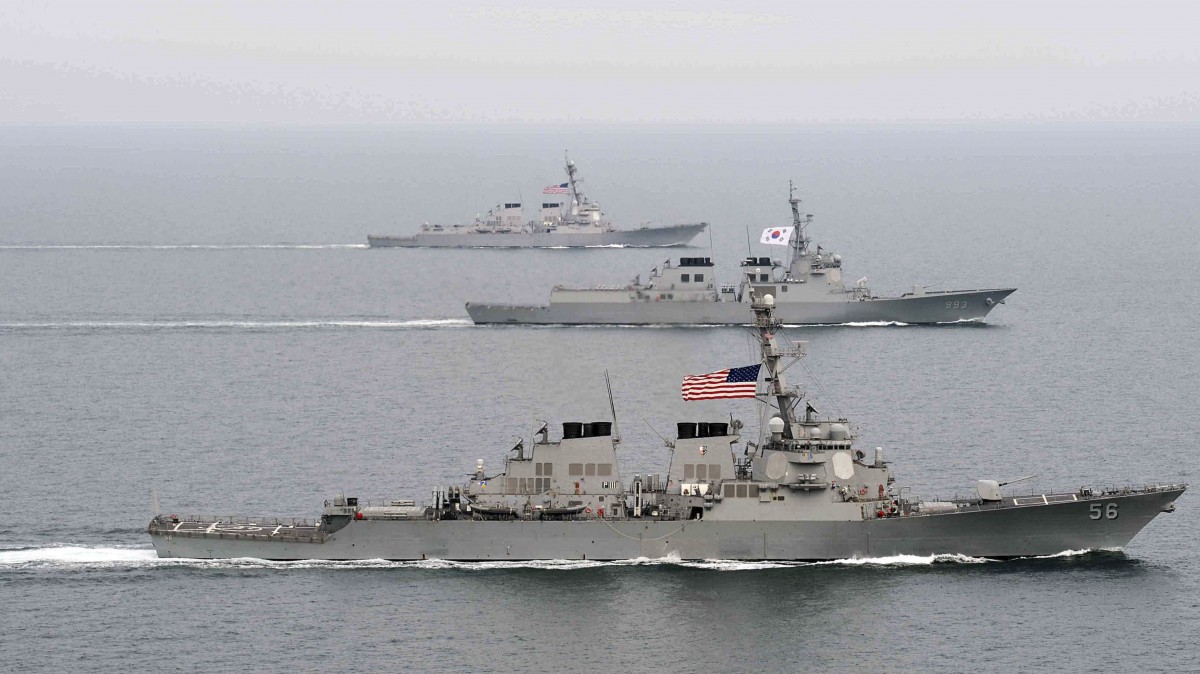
x: 1084, y: 492
x: 391, y: 503
x: 243, y: 519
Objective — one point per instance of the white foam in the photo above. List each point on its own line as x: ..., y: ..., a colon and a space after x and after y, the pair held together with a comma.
x: 76, y: 556
x: 1073, y: 553
x: 79, y: 557
x: 908, y: 560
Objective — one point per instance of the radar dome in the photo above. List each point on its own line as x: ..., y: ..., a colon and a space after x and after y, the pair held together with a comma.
x: 775, y: 425
x: 816, y: 433
x: 838, y: 432
x: 837, y: 259
x: 769, y: 300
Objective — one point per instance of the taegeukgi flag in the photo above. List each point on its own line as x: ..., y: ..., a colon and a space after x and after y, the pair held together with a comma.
x: 777, y: 235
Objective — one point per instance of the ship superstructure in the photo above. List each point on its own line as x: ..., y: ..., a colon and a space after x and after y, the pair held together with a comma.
x: 577, y: 222
x: 809, y: 289
x: 801, y: 489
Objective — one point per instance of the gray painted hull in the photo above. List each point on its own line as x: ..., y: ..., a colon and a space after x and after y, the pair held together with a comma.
x: 932, y: 307
x: 650, y: 237
x: 1003, y: 532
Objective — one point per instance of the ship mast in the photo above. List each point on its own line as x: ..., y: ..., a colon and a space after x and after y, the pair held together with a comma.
x: 767, y: 323
x: 800, y: 240
x: 577, y: 197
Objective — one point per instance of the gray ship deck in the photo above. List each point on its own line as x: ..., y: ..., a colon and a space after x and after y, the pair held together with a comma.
x: 282, y: 529
x: 1017, y: 526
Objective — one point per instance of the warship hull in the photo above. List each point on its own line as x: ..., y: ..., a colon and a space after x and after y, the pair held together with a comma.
x: 1020, y: 527
x: 650, y: 237
x: 928, y: 308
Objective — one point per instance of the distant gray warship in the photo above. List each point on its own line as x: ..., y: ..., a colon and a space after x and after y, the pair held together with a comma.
x: 575, y: 225
x: 801, y: 491
x: 809, y: 290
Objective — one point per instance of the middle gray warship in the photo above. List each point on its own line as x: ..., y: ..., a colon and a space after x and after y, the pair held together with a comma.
x: 800, y: 491
x: 577, y: 224
x: 808, y: 290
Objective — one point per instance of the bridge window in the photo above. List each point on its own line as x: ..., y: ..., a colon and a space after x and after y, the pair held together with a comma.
x: 537, y: 469
x: 753, y: 491
x: 689, y: 471
x: 741, y: 490
x: 589, y: 469
x: 714, y: 471
x: 549, y: 470
x: 699, y: 278
x: 729, y: 489
x: 604, y: 469
x: 685, y: 278
x: 762, y: 278
x: 701, y: 471
x: 575, y: 469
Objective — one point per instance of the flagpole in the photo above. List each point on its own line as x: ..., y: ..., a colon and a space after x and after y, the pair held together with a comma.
x: 612, y: 406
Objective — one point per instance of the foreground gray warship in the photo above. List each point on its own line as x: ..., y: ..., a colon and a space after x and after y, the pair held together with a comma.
x: 578, y: 224
x: 808, y: 290
x: 800, y: 491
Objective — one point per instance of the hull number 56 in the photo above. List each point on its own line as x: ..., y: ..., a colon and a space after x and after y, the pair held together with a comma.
x: 1106, y: 511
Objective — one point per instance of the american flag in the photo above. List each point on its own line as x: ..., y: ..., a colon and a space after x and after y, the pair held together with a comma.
x: 555, y: 189
x: 736, y: 382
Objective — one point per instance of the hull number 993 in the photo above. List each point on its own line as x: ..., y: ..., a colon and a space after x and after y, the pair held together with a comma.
x: 1106, y: 511
x: 956, y: 304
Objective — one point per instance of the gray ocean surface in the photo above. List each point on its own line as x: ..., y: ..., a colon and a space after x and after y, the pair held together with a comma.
x: 194, y: 310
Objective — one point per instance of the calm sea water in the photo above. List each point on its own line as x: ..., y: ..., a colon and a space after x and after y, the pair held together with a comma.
x: 194, y: 311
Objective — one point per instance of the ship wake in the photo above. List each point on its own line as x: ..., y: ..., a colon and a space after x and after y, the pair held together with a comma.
x: 415, y: 324
x: 186, y: 246
x: 68, y: 557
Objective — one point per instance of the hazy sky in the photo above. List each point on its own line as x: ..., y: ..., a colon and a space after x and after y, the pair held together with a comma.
x: 699, y: 61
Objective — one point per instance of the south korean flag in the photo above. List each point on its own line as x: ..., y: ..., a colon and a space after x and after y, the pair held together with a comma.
x: 777, y: 235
